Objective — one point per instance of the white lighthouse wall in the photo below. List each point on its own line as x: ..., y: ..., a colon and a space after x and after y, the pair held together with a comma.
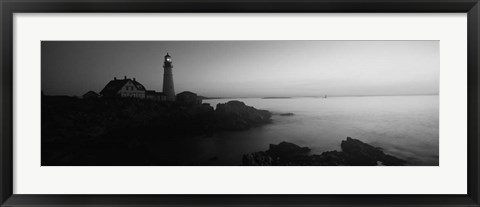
x: 168, y: 85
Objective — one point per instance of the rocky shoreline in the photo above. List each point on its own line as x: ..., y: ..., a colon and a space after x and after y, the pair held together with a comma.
x: 125, y: 131
x: 354, y: 153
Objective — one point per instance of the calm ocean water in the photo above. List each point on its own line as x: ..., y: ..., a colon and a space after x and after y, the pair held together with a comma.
x: 403, y: 126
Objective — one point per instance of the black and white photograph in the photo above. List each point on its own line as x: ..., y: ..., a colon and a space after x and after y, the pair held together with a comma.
x: 240, y: 103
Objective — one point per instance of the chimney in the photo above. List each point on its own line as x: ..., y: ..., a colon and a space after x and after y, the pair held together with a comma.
x: 133, y: 79
x: 114, y: 78
x: 125, y: 78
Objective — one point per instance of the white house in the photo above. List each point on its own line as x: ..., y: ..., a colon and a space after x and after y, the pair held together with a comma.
x: 124, y: 88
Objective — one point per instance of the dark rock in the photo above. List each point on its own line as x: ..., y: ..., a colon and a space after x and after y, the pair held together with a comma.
x: 331, y: 158
x: 354, y: 153
x: 287, y: 114
x: 361, y: 154
x: 282, y: 154
x: 288, y: 154
x: 286, y: 149
x: 257, y: 159
x: 235, y: 115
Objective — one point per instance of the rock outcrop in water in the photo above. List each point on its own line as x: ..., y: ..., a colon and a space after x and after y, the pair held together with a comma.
x: 354, y: 153
x: 235, y: 115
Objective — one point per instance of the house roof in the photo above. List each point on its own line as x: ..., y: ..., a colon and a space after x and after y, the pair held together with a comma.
x: 115, y: 85
x: 91, y: 93
x: 186, y: 93
x: 138, y: 85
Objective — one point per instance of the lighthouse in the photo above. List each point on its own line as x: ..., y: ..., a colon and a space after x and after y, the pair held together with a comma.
x: 168, y: 88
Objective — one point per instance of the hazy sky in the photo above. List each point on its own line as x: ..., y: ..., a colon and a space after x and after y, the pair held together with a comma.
x: 247, y: 68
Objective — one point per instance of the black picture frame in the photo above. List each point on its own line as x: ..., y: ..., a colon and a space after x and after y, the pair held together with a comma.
x: 9, y: 7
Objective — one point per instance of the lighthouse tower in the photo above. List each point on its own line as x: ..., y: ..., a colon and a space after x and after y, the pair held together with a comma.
x: 168, y: 89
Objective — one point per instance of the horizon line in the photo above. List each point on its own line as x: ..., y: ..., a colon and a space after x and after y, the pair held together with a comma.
x: 319, y: 96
